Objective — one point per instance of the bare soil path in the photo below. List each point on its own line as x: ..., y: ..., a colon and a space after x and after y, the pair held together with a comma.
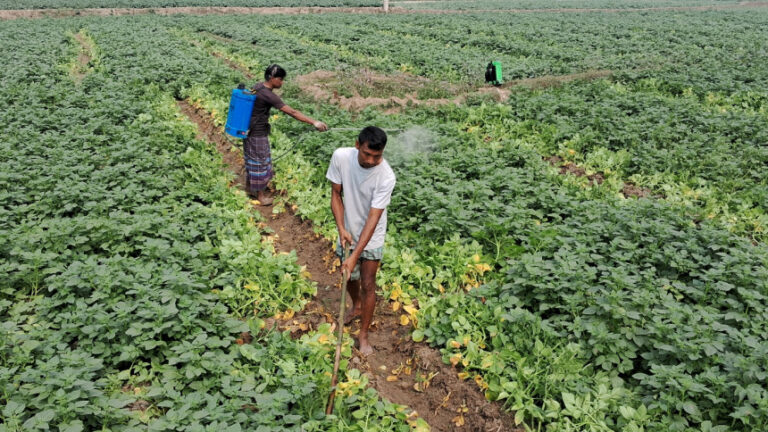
x: 224, y: 10
x: 402, y: 371
x: 80, y: 69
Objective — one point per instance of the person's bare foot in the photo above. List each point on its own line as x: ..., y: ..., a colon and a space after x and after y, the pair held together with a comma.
x: 263, y: 198
x: 351, y: 318
x: 353, y: 315
x: 365, y: 348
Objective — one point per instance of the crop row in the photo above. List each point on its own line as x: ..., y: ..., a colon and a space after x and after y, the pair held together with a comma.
x: 604, y: 313
x: 708, y: 101
x: 597, y: 313
x: 128, y: 261
x: 625, y: 302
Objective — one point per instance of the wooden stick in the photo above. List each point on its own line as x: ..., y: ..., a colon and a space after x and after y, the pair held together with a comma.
x: 334, y: 377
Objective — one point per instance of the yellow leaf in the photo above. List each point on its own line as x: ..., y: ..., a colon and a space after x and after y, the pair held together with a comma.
x: 455, y: 344
x: 323, y: 338
x: 404, y: 320
x: 392, y: 378
x: 305, y: 273
x: 396, y: 306
x: 479, y: 381
x: 466, y: 340
x: 455, y: 359
x: 458, y: 420
x: 288, y: 314
x: 476, y: 258
x: 255, y: 202
x: 410, y: 309
x: 463, y: 375
x: 396, y: 293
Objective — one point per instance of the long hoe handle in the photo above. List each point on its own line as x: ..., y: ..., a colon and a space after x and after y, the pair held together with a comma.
x: 342, y: 308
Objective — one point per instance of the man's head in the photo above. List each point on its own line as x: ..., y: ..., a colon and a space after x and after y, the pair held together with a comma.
x: 274, y: 75
x: 370, y: 145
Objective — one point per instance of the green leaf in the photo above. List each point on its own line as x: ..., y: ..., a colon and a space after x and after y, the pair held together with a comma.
x: 570, y: 401
x: 519, y: 417
x: 627, y: 412
x: 691, y: 408
x: 13, y: 408
x: 73, y: 426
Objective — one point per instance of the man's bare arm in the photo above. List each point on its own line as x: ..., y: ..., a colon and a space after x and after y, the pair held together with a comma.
x: 337, y: 207
x: 298, y: 115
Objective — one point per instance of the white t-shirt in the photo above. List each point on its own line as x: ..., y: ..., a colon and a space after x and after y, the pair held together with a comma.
x: 363, y: 189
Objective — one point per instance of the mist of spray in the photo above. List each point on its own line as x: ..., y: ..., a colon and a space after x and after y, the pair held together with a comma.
x: 410, y: 143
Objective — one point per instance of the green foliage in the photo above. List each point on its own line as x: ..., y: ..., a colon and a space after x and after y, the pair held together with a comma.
x: 126, y: 260
x: 125, y: 255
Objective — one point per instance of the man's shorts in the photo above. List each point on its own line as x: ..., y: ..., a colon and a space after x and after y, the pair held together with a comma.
x: 370, y: 254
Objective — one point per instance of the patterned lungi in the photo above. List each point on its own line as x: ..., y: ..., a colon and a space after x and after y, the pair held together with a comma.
x: 258, y: 163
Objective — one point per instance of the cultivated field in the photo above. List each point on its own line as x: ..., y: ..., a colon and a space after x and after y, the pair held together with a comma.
x: 582, y: 248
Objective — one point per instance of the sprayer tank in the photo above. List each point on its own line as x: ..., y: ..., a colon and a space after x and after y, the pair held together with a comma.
x: 240, y: 109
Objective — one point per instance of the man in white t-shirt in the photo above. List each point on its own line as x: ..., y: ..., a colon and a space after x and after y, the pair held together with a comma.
x: 366, y: 182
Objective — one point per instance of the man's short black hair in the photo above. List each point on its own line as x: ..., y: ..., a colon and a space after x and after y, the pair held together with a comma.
x: 274, y: 71
x: 374, y: 137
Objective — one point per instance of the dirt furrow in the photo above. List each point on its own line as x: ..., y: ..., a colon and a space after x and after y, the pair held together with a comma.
x: 231, y: 64
x: 9, y: 14
x: 401, y: 370
x: 84, y: 57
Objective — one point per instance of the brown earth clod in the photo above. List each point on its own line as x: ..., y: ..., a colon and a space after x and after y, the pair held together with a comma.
x: 430, y: 387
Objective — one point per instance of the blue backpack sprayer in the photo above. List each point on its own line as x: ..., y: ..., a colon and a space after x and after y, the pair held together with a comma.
x: 240, y: 110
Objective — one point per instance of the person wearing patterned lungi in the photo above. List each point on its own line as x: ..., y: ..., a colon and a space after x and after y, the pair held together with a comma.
x: 257, y: 153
